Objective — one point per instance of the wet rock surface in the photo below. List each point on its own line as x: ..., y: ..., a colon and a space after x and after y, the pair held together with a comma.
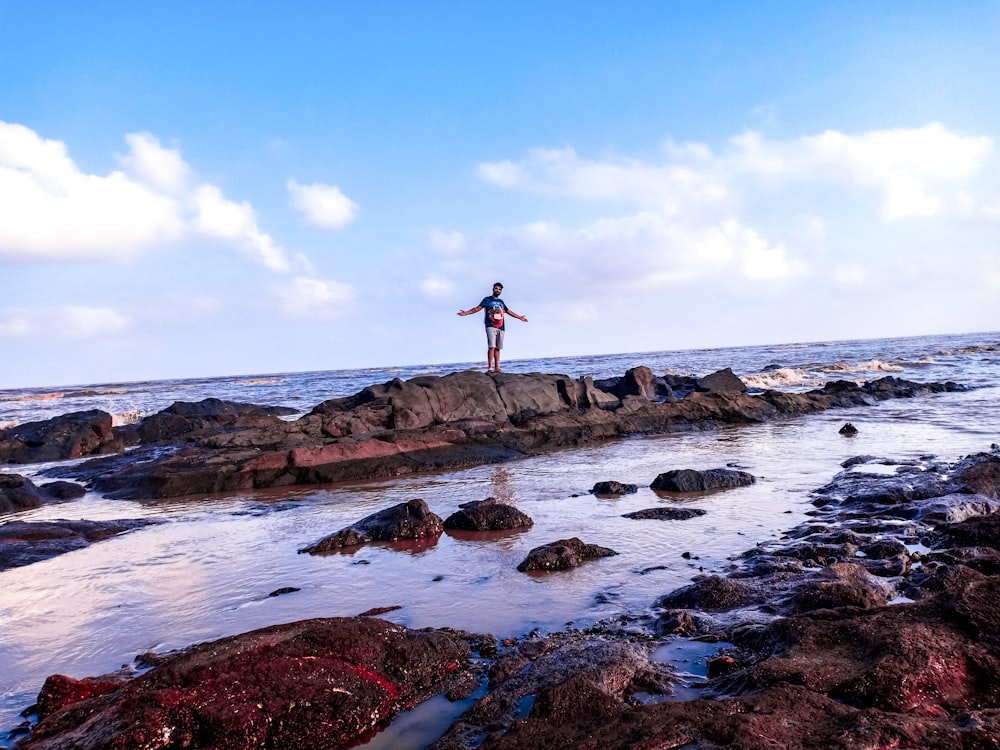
x: 614, y: 488
x: 310, y: 685
x: 693, y: 480
x: 426, y: 423
x: 841, y: 634
x: 487, y: 515
x: 665, y: 514
x: 409, y: 520
x: 26, y: 542
x: 20, y: 493
x: 562, y: 555
x: 74, y: 435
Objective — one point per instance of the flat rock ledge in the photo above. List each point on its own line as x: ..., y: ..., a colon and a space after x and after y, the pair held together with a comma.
x: 427, y: 423
x: 26, y: 542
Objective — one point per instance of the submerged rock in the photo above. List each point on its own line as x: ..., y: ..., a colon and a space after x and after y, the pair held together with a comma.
x: 666, y: 514
x: 24, y: 542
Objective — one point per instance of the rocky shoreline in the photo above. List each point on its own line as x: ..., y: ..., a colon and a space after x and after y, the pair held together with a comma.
x: 428, y: 423
x: 875, y: 624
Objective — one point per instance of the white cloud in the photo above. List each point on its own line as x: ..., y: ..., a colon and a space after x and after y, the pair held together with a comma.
x: 62, y: 322
x: 52, y: 211
x: 161, y: 168
x: 220, y: 218
x: 908, y: 165
x: 436, y: 287
x: 322, y: 205
x: 310, y: 299
x: 561, y: 172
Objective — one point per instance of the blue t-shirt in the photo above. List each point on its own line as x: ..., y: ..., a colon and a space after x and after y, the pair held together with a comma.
x: 494, y: 309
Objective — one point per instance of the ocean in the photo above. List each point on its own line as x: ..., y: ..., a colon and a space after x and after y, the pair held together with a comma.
x: 208, y: 569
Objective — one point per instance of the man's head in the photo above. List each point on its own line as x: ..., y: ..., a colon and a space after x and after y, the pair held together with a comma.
x: 497, y: 288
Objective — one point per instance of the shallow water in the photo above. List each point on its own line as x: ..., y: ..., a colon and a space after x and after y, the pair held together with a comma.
x: 207, y: 570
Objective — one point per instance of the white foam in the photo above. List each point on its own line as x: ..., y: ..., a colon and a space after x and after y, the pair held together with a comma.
x: 783, y: 376
x: 871, y: 365
x: 126, y: 417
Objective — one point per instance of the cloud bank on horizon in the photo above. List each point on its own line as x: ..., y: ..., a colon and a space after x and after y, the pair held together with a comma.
x: 176, y: 254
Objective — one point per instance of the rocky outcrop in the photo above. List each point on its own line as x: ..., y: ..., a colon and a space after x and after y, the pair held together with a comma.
x: 487, y: 515
x: 562, y: 555
x: 409, y: 520
x: 433, y: 423
x: 824, y: 653
x: 312, y: 684
x: 75, y: 435
x: 20, y: 493
x: 692, y: 480
x: 23, y: 543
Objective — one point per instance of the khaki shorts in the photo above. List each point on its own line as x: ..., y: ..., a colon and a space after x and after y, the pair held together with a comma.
x: 494, y: 337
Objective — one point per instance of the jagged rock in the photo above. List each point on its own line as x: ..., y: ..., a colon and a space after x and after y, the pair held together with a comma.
x: 848, y: 430
x: 312, y: 684
x: 409, y: 520
x: 562, y: 555
x: 722, y: 383
x: 692, y: 480
x: 487, y: 515
x: 74, y: 435
x: 427, y: 424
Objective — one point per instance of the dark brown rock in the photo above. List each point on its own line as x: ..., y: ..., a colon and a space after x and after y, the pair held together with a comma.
x: 428, y: 424
x: 409, y: 520
x: 614, y: 488
x: 18, y: 493
x: 562, y: 555
x: 665, y: 514
x: 693, y: 480
x: 487, y: 515
x: 23, y: 542
x: 723, y: 383
x: 75, y: 435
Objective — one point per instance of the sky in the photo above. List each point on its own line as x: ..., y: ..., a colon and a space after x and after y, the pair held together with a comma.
x: 197, y: 189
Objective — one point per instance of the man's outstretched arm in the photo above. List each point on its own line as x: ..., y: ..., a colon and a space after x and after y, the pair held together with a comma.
x: 513, y: 314
x: 475, y: 309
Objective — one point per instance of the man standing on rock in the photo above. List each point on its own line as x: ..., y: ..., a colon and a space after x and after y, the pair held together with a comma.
x: 495, y: 309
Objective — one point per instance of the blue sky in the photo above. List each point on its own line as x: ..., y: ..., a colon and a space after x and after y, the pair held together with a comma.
x: 232, y: 188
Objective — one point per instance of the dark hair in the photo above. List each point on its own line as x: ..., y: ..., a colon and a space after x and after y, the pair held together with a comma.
x: 497, y: 283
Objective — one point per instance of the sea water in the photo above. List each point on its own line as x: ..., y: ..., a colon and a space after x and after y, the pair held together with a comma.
x: 208, y: 568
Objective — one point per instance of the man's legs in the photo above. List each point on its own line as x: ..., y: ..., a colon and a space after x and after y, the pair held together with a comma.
x: 494, y: 342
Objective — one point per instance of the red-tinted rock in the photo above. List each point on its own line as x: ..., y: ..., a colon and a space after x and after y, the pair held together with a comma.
x: 311, y: 685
